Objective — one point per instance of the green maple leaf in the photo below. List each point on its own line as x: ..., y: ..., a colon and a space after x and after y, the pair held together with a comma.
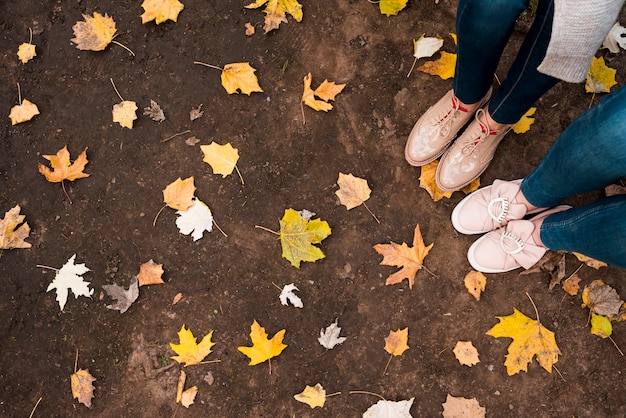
x: 297, y: 236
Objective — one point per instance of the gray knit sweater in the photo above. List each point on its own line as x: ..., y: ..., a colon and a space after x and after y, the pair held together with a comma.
x: 578, y: 29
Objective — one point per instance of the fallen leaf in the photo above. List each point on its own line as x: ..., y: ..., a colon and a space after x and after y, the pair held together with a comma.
x: 329, y: 337
x: 154, y: 111
x: 523, y: 125
x: 196, y: 112
x: 353, y: 191
x: 409, y: 258
x: 23, y: 112
x: 389, y: 409
x: 249, y: 29
x: 124, y: 298
x: 601, y: 299
x: 444, y: 67
x: 426, y: 46
x: 191, y: 141
x: 466, y: 353
x: 221, y: 158
x: 391, y: 7
x: 179, y: 194
x: 475, y: 282
x: 530, y: 339
x: 312, y: 396
x: 26, y: 52
x: 189, y: 396
x: 62, y: 169
x: 396, y: 342
x: 189, y: 350
x: 195, y: 220
x: 12, y: 236
x: 455, y: 407
x: 428, y: 183
x: 558, y: 273
x: 600, y: 78
x: 181, y: 385
x: 240, y: 76
x: 276, y: 12
x: 571, y: 285
x: 590, y: 261
x: 124, y: 113
x: 287, y: 296
x: 150, y: 273
x: 95, y: 33
x: 601, y: 326
x: 161, y: 10
x: 614, y: 189
x: 615, y: 39
x: 176, y: 299
x: 82, y: 386
x: 325, y: 91
x: 263, y: 348
x: 69, y: 278
x: 297, y: 236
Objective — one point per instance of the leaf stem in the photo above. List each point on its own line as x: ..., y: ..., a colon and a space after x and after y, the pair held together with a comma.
x: 240, y: 176
x: 157, y: 215
x: 534, y: 306
x: 267, y: 229
x: 65, y: 191
x: 76, y: 361
x: 220, y: 229
x: 333, y: 394
x: 208, y: 65
x: 46, y: 267
x: 175, y: 135
x: 364, y: 392
x: 210, y: 361
x: 412, y: 66
x: 19, y: 94
x: 115, y: 88
x: 387, y: 365
x: 302, y: 109
x: 371, y: 213
x: 124, y: 46
x: 35, y: 407
x: 30, y: 41
x: 616, y: 346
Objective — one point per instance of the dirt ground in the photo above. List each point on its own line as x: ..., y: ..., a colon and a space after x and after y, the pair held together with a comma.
x: 227, y: 282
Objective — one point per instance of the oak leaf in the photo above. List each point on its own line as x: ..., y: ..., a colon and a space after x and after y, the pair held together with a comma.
x: 530, y: 339
x: 189, y: 350
x: 428, y: 183
x: 615, y: 39
x: 391, y: 7
x: 390, y: 409
x: 179, y: 194
x: 396, y: 342
x: 523, y: 125
x: 325, y: 91
x: 466, y: 353
x: 123, y: 297
x: 475, y: 282
x: 23, y: 112
x: 353, y: 191
x: 455, y: 407
x: 312, y: 396
x: 82, y: 386
x: 240, y: 76
x: 263, y: 348
x: 124, y: 113
x: 596, y: 264
x: 329, y: 337
x: 600, y: 78
x: 409, y: 258
x: 195, y: 220
x: 601, y: 299
x: 161, y: 10
x: 276, y: 12
x: 68, y: 278
x: 95, y: 33
x: 62, y: 169
x: 297, y: 236
x: 150, y: 273
x: 222, y: 158
x: 26, y: 52
x: 12, y: 236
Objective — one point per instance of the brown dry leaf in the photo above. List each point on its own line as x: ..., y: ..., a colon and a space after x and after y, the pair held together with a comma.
x: 558, y: 273
x: 325, y: 91
x: 249, y: 29
x: 353, y: 191
x: 179, y: 194
x: 192, y: 141
x: 23, y: 112
x: 596, y: 264
x: 161, y: 10
x: 124, y: 113
x: 150, y: 273
x: 601, y: 299
x: 12, y: 236
x: 614, y: 189
x: 95, y: 33
x: 196, y: 112
x: 62, y: 169
x: 462, y: 408
x: 396, y: 342
x: 154, y: 111
x: 276, y: 11
x: 240, y: 76
x: 410, y: 259
x: 475, y: 282
x: 571, y: 285
x: 428, y: 183
x: 123, y: 297
x: 176, y: 299
x: 466, y: 353
x: 82, y: 386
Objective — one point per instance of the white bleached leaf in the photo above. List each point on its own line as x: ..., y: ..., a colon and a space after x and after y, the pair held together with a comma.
x: 389, y: 409
x: 195, y: 220
x: 306, y: 214
x: 287, y: 296
x: 426, y: 47
x: 615, y: 39
x: 329, y: 337
x: 124, y: 298
x: 68, y: 278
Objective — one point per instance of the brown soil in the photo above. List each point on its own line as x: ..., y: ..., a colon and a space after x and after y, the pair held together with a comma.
x: 228, y: 282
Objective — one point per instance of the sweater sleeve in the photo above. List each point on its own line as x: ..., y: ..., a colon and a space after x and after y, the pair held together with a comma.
x: 578, y: 29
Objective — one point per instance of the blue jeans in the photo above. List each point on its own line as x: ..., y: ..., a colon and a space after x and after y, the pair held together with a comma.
x: 483, y: 28
x: 589, y: 155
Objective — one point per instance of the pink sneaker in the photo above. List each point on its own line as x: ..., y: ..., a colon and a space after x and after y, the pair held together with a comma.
x: 509, y: 247
x: 489, y: 208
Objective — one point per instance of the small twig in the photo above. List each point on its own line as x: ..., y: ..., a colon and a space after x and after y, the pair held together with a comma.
x: 240, y: 176
x: 115, y: 88
x: 65, y: 191
x: 266, y: 229
x: 76, y: 361
x: 613, y: 341
x: 125, y: 47
x: 364, y: 392
x: 208, y: 65
x: 176, y: 410
x: 40, y: 398
x: 277, y: 286
x: 430, y: 272
x: 220, y: 229
x: 593, y: 96
x: 559, y: 372
x: 210, y: 361
x: 175, y: 135
x: 387, y: 365
x: 30, y: 41
x: 575, y: 271
x: 412, y: 66
x: 302, y: 109
x: 439, y: 353
x: 19, y: 94
x: 371, y: 213
x: 534, y: 306
x: 269, y: 361
x: 333, y: 394
x: 157, y: 215
x: 46, y: 267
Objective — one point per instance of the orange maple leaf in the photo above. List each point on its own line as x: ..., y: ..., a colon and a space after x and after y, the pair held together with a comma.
x: 396, y: 342
x: 410, y: 259
x: 150, y: 273
x: 62, y: 169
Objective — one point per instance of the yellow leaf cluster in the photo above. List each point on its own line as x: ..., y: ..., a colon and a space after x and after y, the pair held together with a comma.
x: 276, y: 12
x: 95, y: 33
x: 62, y: 169
x: 263, y: 348
x: 12, y: 236
x: 161, y: 10
x: 325, y: 91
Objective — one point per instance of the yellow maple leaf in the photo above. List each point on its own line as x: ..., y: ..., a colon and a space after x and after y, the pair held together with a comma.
x: 409, y: 258
x: 353, y: 191
x: 444, y: 67
x: 475, y: 282
x: 12, y: 236
x: 161, y: 10
x: 62, y: 169
x: 591, y: 262
x: 297, y: 236
x: 23, y: 112
x: 150, y: 273
x: 82, y: 386
x: 523, y: 125
x: 530, y: 339
x: 95, y: 33
x: 276, y: 12
x: 26, y: 52
x: 222, y: 158
x: 428, y: 183
x: 124, y: 113
x: 179, y: 194
x: 600, y: 78
x: 325, y: 91
x: 240, y: 76
x: 189, y: 350
x: 466, y: 353
x: 312, y: 396
x: 396, y: 342
x: 391, y: 7
x: 263, y: 348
